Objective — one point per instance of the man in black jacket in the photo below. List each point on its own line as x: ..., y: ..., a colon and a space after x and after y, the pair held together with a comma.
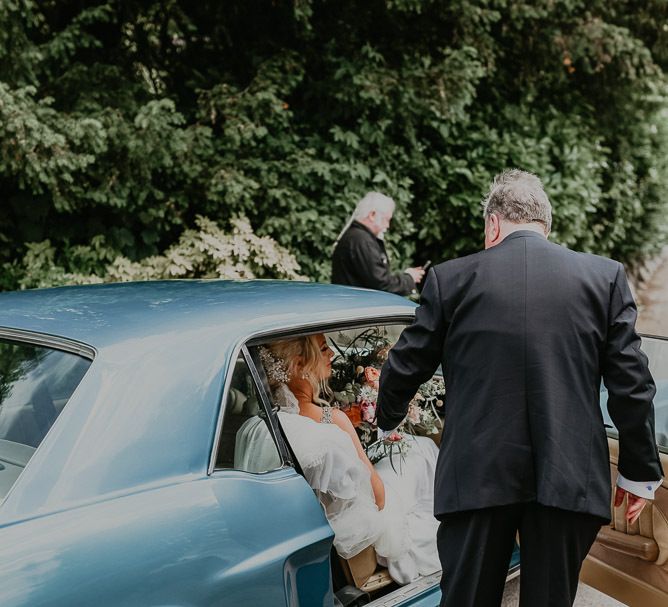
x: 359, y: 257
x: 525, y: 330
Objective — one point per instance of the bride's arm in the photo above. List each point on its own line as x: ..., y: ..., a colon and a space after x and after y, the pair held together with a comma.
x: 342, y: 421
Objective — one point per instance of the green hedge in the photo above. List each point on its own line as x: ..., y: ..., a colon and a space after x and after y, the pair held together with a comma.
x: 121, y: 122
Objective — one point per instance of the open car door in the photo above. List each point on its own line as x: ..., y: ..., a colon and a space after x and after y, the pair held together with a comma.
x: 630, y: 562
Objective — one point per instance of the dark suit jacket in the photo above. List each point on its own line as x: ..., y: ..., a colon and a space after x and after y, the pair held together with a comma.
x: 360, y: 260
x: 525, y: 330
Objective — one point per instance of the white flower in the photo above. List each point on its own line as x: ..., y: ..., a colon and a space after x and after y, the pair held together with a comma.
x: 368, y: 393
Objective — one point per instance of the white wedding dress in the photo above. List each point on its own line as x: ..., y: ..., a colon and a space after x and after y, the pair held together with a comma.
x: 404, y: 532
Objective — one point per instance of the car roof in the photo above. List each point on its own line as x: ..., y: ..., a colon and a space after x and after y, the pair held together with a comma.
x: 107, y: 314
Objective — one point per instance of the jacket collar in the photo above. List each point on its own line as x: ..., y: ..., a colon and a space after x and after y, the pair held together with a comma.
x: 522, y: 234
x: 357, y: 224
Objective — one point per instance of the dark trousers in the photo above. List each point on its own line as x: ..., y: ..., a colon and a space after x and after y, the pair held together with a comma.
x: 475, y: 548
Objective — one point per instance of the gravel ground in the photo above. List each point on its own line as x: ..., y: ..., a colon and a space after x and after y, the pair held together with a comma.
x: 586, y: 596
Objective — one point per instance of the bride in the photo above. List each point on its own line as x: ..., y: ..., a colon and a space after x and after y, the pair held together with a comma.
x: 365, y: 504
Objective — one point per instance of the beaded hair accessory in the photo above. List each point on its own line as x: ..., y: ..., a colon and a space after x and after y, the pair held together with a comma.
x: 274, y: 366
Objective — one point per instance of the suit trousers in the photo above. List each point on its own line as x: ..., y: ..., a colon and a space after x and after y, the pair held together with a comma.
x: 475, y: 547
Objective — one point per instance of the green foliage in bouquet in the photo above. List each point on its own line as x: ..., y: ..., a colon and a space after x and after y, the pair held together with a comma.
x: 121, y: 122
x: 354, y: 382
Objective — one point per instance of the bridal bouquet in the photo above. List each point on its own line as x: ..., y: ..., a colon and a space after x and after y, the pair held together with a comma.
x: 355, y: 376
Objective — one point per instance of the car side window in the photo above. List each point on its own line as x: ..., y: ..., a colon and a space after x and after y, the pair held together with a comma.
x: 657, y: 352
x: 35, y: 384
x: 246, y: 441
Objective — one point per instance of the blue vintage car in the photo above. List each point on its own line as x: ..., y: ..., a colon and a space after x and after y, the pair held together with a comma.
x: 119, y: 480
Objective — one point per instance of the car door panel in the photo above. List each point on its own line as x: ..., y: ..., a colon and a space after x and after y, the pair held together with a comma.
x: 283, y: 538
x: 630, y: 562
x: 229, y: 539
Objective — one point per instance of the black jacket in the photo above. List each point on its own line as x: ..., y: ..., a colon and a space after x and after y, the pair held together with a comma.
x: 360, y: 260
x: 525, y: 330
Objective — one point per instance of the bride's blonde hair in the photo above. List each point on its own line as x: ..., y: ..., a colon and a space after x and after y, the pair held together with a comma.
x: 308, y: 349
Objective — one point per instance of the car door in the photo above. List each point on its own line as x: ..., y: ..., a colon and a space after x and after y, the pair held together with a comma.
x: 248, y: 531
x: 630, y: 562
x: 279, y: 539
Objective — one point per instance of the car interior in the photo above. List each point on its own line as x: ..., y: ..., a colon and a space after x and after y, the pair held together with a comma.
x: 13, y: 459
x: 246, y: 444
x: 37, y: 383
x: 630, y: 561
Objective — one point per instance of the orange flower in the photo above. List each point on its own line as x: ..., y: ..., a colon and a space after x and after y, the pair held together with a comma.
x: 354, y: 414
x: 371, y: 374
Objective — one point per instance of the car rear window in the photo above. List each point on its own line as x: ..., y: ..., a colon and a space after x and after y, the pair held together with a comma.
x: 35, y: 384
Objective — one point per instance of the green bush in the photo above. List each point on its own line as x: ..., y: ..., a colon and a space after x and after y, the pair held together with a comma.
x: 206, y: 252
x: 121, y: 122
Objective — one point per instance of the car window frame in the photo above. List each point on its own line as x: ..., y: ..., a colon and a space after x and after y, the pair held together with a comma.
x: 246, y: 348
x: 261, y: 382
x: 612, y: 433
x: 243, y: 353
x: 662, y: 448
x: 53, y: 342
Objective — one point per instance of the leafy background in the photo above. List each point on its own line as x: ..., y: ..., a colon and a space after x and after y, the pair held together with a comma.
x: 142, y: 139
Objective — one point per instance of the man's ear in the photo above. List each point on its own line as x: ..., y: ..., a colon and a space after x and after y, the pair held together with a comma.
x: 492, y: 230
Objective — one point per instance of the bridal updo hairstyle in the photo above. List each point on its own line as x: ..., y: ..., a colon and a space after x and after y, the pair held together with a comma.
x: 294, y: 350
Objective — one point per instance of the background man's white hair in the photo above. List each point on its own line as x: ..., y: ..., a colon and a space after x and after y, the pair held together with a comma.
x: 372, y: 201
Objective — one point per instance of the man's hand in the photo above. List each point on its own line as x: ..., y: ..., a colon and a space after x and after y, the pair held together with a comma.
x: 634, y: 504
x: 416, y: 274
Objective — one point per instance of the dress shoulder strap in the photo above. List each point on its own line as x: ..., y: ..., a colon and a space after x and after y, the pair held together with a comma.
x: 326, y: 415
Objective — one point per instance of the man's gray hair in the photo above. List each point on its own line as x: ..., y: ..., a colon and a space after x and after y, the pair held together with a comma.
x: 373, y: 201
x: 518, y: 196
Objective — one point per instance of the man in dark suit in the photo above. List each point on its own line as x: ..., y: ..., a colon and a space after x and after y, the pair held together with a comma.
x: 360, y: 259
x: 525, y: 330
